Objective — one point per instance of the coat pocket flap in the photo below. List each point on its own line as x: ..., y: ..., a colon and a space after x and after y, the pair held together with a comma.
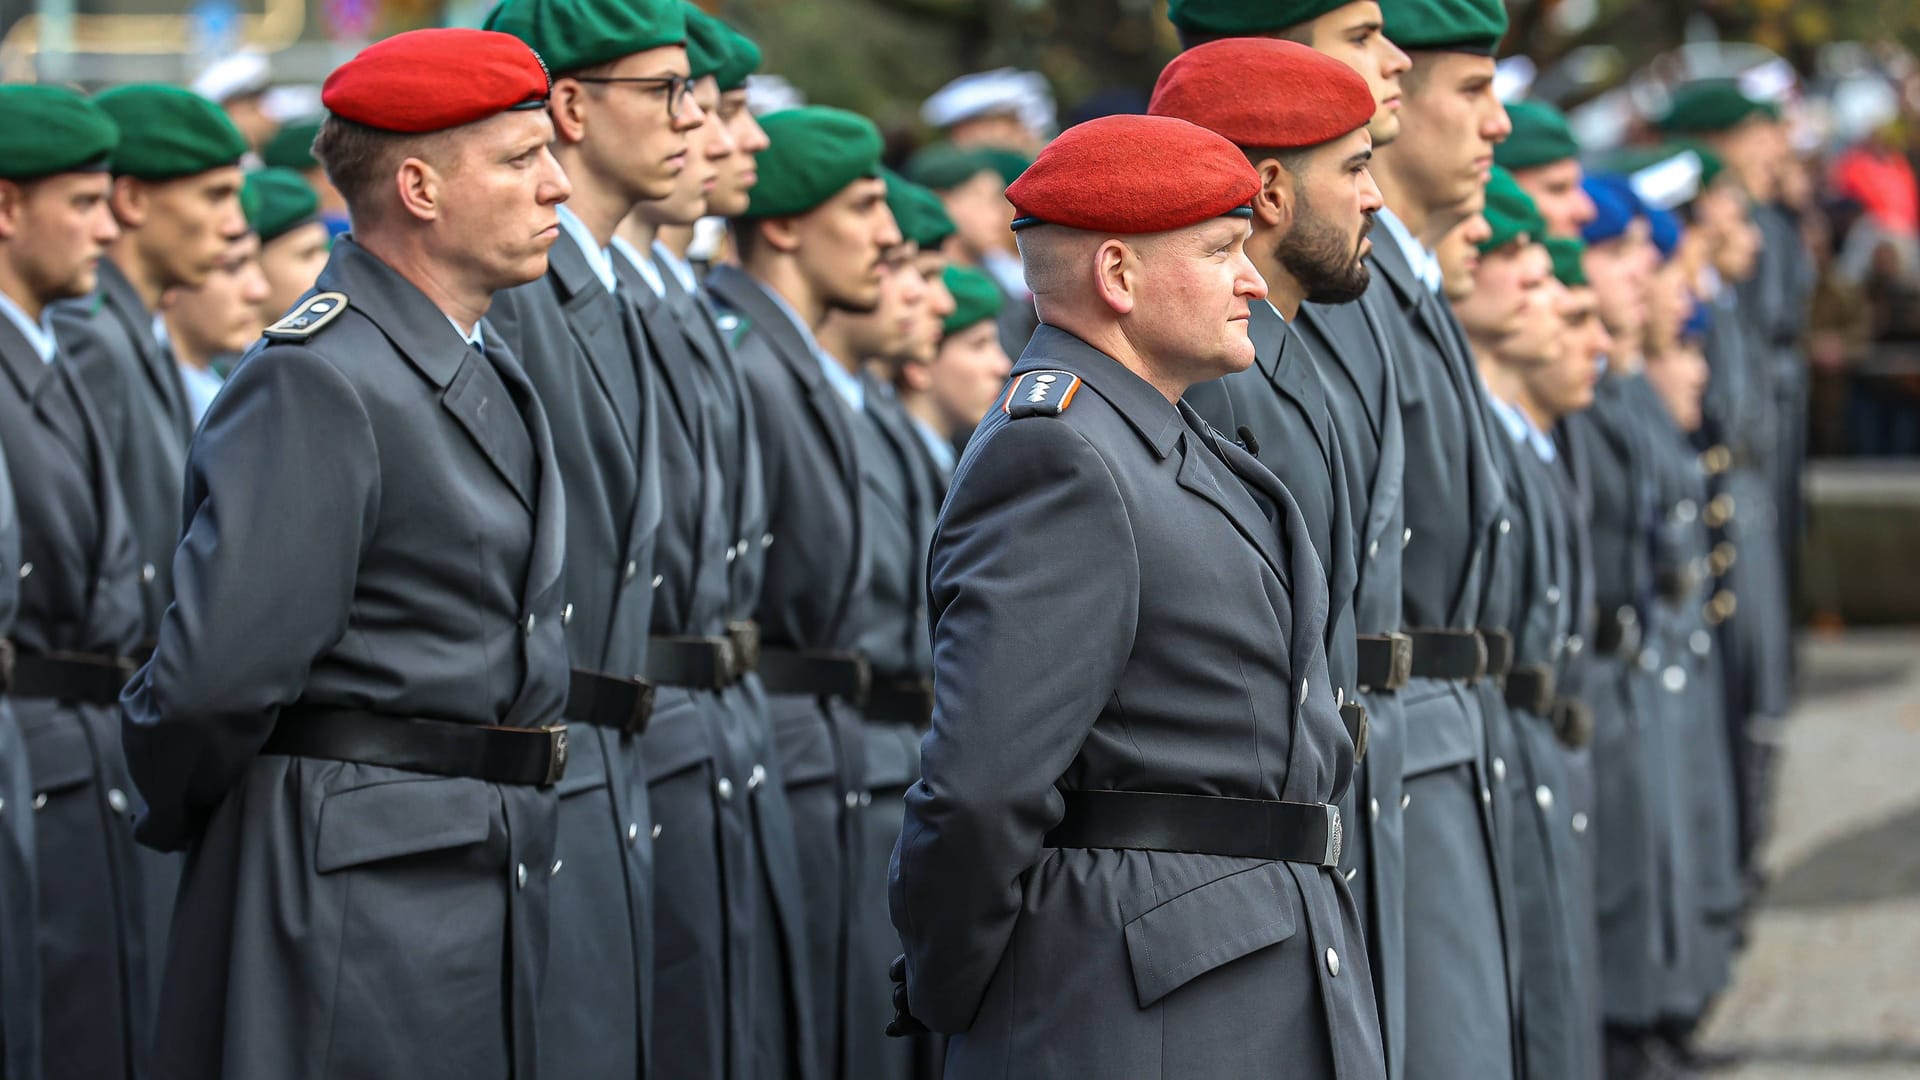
x: 59, y: 756
x: 405, y: 817
x: 893, y: 759
x: 678, y: 738
x: 1181, y: 939
x: 1439, y: 734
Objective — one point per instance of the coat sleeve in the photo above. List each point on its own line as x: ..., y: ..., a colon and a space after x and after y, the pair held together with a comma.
x: 1034, y: 585
x: 282, y: 489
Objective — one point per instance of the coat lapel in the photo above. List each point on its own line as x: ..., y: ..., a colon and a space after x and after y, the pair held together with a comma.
x: 119, y: 298
x: 592, y: 316
x: 1199, y: 452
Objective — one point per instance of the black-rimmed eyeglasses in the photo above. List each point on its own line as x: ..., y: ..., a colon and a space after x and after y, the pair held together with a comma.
x: 679, y: 88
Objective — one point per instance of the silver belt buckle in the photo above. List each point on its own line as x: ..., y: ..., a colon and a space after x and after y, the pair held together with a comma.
x: 1331, y: 858
x: 556, y: 754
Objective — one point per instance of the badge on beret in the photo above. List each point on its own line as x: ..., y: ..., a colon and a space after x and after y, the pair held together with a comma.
x: 308, y: 318
x: 1040, y: 393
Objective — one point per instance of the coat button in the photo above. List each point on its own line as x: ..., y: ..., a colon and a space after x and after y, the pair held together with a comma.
x: 117, y: 799
x: 852, y: 799
x: 25, y: 569
x: 1544, y: 796
x: 1505, y: 526
x: 1486, y: 796
x: 3, y: 805
x: 1333, y: 962
x: 555, y: 872
x: 530, y: 623
x: 733, y: 553
x: 1406, y: 538
x: 1701, y: 642
x: 1353, y: 873
x: 40, y: 801
x: 1373, y: 809
x: 657, y: 579
x: 866, y: 798
x: 757, y: 777
x: 566, y: 615
x: 1674, y: 678
x: 146, y: 574
x: 1575, y: 643
x: 766, y: 540
x: 632, y: 569
x: 1579, y: 823
x: 1373, y: 549
x: 740, y: 549
x: 520, y: 876
x: 1405, y: 799
x: 656, y: 832
x: 1303, y: 691
x: 1553, y: 594
x: 633, y: 833
x: 1500, y: 769
x: 724, y: 789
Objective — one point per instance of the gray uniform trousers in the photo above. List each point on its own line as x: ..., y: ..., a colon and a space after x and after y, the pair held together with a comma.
x: 1363, y: 399
x: 334, y: 911
x: 571, y: 335
x: 815, y: 578
x: 79, y: 591
x: 782, y: 1030
x: 1057, y: 962
x: 19, y: 884
x: 1459, y: 988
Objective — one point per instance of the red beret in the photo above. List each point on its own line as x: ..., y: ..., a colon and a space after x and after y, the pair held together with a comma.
x: 430, y: 80
x: 1264, y: 94
x: 1134, y: 174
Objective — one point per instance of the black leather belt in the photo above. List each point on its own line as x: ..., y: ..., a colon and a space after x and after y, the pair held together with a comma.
x: 1499, y: 645
x: 901, y: 702
x: 820, y: 672
x: 608, y: 701
x: 501, y: 755
x: 1572, y: 722
x: 1386, y: 661
x: 1618, y: 633
x: 1530, y: 687
x: 1674, y: 585
x: 6, y: 665
x: 1200, y: 825
x: 75, y: 678
x: 1449, y: 654
x: 703, y: 663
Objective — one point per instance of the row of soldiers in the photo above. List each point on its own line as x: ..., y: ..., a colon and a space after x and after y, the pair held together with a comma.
x: 612, y: 788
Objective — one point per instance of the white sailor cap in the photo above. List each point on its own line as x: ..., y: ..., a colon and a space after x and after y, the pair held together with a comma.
x: 245, y: 72
x: 1003, y: 90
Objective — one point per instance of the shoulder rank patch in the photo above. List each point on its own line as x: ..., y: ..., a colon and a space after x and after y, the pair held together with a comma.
x: 306, y: 320
x: 1040, y: 393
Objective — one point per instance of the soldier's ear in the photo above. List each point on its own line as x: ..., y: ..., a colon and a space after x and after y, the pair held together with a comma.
x: 418, y: 184
x: 128, y: 200
x: 12, y: 195
x: 1116, y: 275
x: 1273, y: 204
x: 567, y: 104
x: 782, y: 234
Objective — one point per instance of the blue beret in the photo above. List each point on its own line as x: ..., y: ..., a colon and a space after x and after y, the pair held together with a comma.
x: 1614, y: 207
x: 1666, y: 231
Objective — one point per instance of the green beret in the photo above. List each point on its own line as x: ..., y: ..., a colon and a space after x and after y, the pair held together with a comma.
x: 167, y: 132
x: 944, y: 166
x: 921, y: 215
x: 292, y: 146
x: 1510, y: 211
x: 1711, y: 105
x: 1468, y: 26
x: 812, y: 153
x: 1233, y: 17
x: 571, y: 35
x: 976, y: 298
x: 1540, y: 137
x: 277, y: 202
x: 743, y: 59
x: 707, y: 45
x: 1008, y: 163
x: 1567, y: 266
x: 51, y: 129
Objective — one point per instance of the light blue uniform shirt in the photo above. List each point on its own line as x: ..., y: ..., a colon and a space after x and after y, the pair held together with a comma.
x: 38, y: 334
x: 597, y: 256
x: 1426, y: 265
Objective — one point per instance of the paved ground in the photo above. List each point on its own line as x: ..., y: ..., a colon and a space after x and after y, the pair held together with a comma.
x: 1830, y: 983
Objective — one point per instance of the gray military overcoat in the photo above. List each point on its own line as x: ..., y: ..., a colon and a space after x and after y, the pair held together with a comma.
x: 1124, y: 600
x: 375, y: 521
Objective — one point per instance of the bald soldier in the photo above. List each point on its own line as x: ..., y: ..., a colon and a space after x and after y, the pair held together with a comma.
x: 1127, y: 864
x: 362, y: 753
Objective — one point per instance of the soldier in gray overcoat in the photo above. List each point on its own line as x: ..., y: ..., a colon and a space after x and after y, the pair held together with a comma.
x: 1125, y: 862
x: 361, y: 755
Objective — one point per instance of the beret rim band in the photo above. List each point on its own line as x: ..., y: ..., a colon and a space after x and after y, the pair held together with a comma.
x: 1474, y: 46
x: 1028, y: 222
x: 101, y: 164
